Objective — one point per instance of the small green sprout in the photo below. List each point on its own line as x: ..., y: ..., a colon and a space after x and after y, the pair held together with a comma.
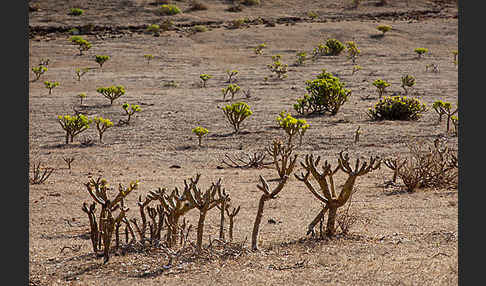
x: 236, y: 113
x: 356, y: 68
x: 381, y: 85
x: 51, y: 85
x: 79, y: 73
x: 200, y: 132
x: 313, y: 15
x: 277, y: 67
x: 153, y: 28
x: 169, y: 9
x: 231, y: 88
x: 130, y: 110
x: 204, y: 77
x: 101, y: 59
x: 102, y: 124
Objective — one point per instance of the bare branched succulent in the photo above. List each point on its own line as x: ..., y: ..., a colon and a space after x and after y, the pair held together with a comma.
x: 232, y: 216
x: 332, y: 201
x: 69, y: 161
x: 231, y: 75
x: 395, y: 164
x: 246, y: 160
x: 40, y: 174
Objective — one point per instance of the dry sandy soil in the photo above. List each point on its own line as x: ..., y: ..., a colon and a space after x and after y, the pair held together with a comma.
x: 400, y: 238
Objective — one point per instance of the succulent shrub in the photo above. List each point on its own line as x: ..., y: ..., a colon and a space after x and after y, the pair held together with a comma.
x: 313, y: 15
x: 199, y: 28
x: 356, y: 68
x: 73, y: 125
x: 454, y: 54
x: 397, y: 108
x: 277, y: 67
x: 200, y: 132
x: 301, y: 58
x: 112, y: 92
x: 381, y: 86
x: 148, y: 57
x: 353, y: 51
x: 407, y: 81
x: 384, y: 28
x: 80, y: 72
x: 231, y: 74
x: 51, y: 85
x: 204, y: 77
x: 101, y: 59
x: 259, y: 49
x: 153, y: 28
x: 320, y: 50
x: 236, y: 113
x: 81, y: 96
x: 38, y: 71
x: 444, y: 108
x: 130, y: 110
x: 334, y: 47
x: 76, y: 12
x: 83, y: 45
x: 231, y: 88
x: 292, y: 126
x: 169, y: 9
x: 324, y: 94
x: 102, y: 124
x: 421, y: 51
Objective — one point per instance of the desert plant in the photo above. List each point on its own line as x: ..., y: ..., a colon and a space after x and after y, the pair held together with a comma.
x: 200, y: 132
x: 319, y: 51
x: 292, y: 126
x: 73, y: 31
x: 75, y: 12
x: 51, y: 85
x: 357, y: 134
x: 234, y: 212
x: 454, y: 54
x: 225, y: 200
x: 334, y: 47
x: 40, y: 174
x: 421, y: 51
x: 407, y: 81
x: 332, y: 201
x: 277, y: 67
x: 355, y: 3
x: 231, y: 74
x: 199, y: 28
x: 394, y: 164
x: 446, y: 109
x: 38, y: 71
x: 169, y: 9
x: 313, y: 15
x: 148, y: 57
x: 111, y: 92
x: 204, y: 77
x: 83, y: 45
x: 250, y: 2
x: 236, y: 113
x: 284, y: 163
x: 231, y: 88
x: 73, y: 125
x: 356, y: 68
x: 69, y: 161
x: 130, y: 110
x: 455, y: 123
x: 353, y: 51
x: 381, y: 86
x: 101, y: 59
x: 102, y: 232
x: 301, y: 58
x: 102, y: 124
x: 433, y: 67
x: 153, y: 28
x: 80, y: 72
x: 259, y: 49
x: 44, y: 62
x: 397, y: 108
x: 325, y: 94
x: 384, y: 28
x: 246, y: 160
x: 81, y: 97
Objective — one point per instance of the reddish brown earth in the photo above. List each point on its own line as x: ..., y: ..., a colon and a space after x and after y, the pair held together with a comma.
x: 400, y: 238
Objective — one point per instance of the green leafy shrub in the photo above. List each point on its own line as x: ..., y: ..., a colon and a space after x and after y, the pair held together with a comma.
x: 334, y: 47
x: 51, y: 85
x: 112, y: 92
x: 259, y: 49
x: 444, y: 108
x: 292, y: 126
x: 421, y: 51
x: 236, y: 113
x: 454, y: 54
x: 38, y: 71
x: 325, y: 94
x: 313, y: 15
x: 397, y: 108
x: 44, y: 62
x: 200, y: 132
x: 148, y: 57
x: 204, y: 77
x: 353, y: 51
x: 381, y: 85
x: 199, y: 28
x: 277, y: 67
x: 76, y: 12
x: 169, y: 9
x: 102, y: 124
x: 384, y: 28
x: 83, y: 45
x: 101, y: 59
x: 301, y: 58
x: 153, y: 28
x: 130, y: 110
x: 320, y: 50
x: 455, y: 123
x: 73, y: 125
x: 407, y: 81
x: 231, y: 88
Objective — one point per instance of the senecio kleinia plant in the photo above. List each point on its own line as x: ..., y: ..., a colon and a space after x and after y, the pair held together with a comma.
x: 81, y: 96
x: 381, y: 85
x: 384, y: 28
x: 51, y: 85
x: 200, y: 132
x: 397, y: 108
x: 102, y: 124
x: 259, y: 49
x: 76, y: 12
x: 231, y: 74
x: 101, y: 59
x: 38, y: 71
x: 73, y: 125
x: 154, y: 28
x: 231, y: 88
x: 444, y: 108
x: 334, y: 47
x: 130, y: 110
x: 79, y: 73
x: 236, y: 113
x: 112, y: 92
x: 292, y: 126
x: 353, y: 51
x: 407, y: 81
x: 204, y: 77
x: 148, y: 57
x: 169, y: 9
x: 277, y: 67
x: 421, y: 51
x: 83, y: 45
x: 301, y: 58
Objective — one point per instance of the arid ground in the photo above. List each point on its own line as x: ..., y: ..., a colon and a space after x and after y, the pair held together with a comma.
x: 399, y: 238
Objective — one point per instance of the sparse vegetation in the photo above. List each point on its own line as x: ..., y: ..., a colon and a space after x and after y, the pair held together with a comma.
x: 112, y: 92
x: 301, y: 58
x: 292, y: 126
x: 353, y: 51
x: 236, y: 113
x: 231, y: 88
x: 277, y: 67
x: 40, y: 174
x: 334, y: 47
x: 381, y: 86
x: 130, y: 110
x: 231, y: 75
x: 83, y: 45
x: 153, y: 28
x: 421, y: 51
x: 76, y: 12
x: 73, y: 125
x: 148, y: 57
x: 407, y: 81
x: 169, y: 9
x: 101, y: 59
x: 397, y: 108
x: 102, y: 124
x: 384, y: 28
x: 356, y: 68
x: 259, y: 49
x: 80, y: 72
x: 50, y: 85
x: 81, y: 97
x: 200, y: 132
x: 204, y: 77
x: 38, y: 71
